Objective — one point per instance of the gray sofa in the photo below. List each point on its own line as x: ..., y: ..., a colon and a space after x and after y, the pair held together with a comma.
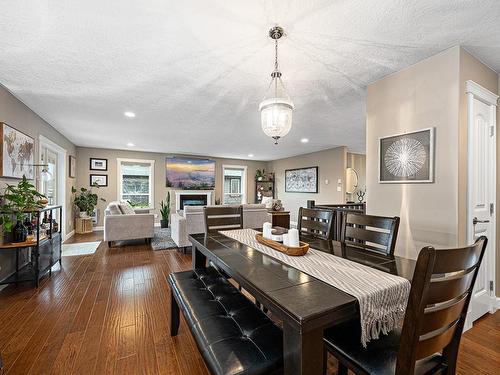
x: 191, y: 220
x: 122, y: 222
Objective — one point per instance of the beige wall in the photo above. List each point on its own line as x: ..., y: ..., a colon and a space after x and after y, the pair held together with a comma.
x: 357, y: 162
x: 19, y: 116
x: 430, y: 93
x: 110, y: 192
x: 331, y: 166
x: 421, y: 96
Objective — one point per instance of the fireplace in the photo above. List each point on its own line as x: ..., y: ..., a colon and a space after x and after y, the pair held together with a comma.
x: 192, y: 198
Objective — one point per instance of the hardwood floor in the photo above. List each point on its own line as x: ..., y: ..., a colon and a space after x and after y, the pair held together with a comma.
x: 107, y: 313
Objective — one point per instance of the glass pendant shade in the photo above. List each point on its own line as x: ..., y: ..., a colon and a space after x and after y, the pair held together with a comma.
x: 276, y: 117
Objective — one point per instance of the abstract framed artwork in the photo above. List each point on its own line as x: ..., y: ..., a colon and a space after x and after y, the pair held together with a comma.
x: 18, y: 153
x: 190, y: 173
x: 72, y: 166
x: 407, y: 158
x: 97, y: 164
x: 100, y: 180
x: 301, y: 180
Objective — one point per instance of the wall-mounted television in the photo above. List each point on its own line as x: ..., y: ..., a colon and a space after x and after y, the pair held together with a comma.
x: 190, y: 173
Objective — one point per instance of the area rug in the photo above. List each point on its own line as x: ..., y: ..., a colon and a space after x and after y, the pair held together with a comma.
x: 162, y: 240
x: 82, y: 248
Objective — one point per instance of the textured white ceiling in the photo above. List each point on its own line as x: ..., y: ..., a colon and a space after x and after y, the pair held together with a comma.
x: 194, y: 72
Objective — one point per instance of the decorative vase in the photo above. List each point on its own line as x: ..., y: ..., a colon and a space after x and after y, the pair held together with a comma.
x: 259, y: 178
x: 83, y: 214
x: 164, y: 223
x: 19, y: 232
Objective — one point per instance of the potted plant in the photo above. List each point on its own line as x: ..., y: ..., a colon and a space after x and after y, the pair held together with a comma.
x: 260, y: 174
x: 86, y: 200
x: 16, y: 201
x: 165, y: 211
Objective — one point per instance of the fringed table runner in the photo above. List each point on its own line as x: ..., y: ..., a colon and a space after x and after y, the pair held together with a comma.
x: 382, y: 296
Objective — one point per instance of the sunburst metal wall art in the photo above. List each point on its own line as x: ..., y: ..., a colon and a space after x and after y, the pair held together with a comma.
x: 407, y: 157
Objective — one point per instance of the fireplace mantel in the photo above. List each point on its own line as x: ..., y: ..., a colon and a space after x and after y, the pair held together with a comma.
x: 180, y: 193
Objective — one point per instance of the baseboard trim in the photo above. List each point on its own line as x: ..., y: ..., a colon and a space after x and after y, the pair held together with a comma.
x: 69, y: 235
x: 96, y: 229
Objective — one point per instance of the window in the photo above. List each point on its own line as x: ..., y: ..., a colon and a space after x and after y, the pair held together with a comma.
x: 234, y: 182
x: 136, y: 182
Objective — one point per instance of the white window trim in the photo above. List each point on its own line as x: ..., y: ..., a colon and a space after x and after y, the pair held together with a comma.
x: 243, y: 181
x: 119, y: 162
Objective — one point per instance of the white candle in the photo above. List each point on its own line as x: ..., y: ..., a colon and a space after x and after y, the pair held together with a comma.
x: 285, y: 239
x: 266, y: 229
x: 293, y: 238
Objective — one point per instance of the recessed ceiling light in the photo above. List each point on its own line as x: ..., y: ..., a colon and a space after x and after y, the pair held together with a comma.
x: 129, y: 114
x: 304, y: 140
x: 130, y: 144
x: 250, y: 155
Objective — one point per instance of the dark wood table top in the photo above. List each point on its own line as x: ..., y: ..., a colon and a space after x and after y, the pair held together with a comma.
x: 307, y: 300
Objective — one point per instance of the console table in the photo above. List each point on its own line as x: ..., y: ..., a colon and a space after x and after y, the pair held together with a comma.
x: 42, y: 253
x: 280, y: 219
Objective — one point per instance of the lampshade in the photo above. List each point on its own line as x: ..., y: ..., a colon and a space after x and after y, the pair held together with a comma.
x: 45, y: 175
x: 276, y: 117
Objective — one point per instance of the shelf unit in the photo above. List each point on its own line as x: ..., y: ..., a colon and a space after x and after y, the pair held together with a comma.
x: 265, y: 188
x: 42, y: 254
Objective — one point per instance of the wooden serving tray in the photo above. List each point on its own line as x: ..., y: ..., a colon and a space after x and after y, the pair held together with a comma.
x: 293, y: 251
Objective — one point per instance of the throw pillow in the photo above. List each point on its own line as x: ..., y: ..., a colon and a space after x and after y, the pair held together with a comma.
x: 126, y: 208
x: 114, y: 209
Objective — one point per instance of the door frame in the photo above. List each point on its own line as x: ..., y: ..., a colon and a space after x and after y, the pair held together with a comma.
x: 61, y: 175
x: 475, y: 91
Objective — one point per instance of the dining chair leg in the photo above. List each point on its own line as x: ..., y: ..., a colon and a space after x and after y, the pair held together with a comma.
x: 342, y: 369
x: 174, y: 315
x: 325, y: 361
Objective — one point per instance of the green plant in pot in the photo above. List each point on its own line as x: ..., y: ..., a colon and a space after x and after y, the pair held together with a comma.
x: 165, y: 211
x: 260, y: 174
x: 86, y: 200
x: 16, y: 202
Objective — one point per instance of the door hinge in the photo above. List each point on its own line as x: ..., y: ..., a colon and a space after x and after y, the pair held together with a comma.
x: 491, y: 285
x: 492, y: 209
x: 492, y: 131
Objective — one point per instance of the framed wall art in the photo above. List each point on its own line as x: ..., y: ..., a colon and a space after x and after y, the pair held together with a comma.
x: 100, y: 180
x: 18, y: 153
x: 301, y: 180
x: 407, y: 158
x: 97, y: 164
x: 72, y: 166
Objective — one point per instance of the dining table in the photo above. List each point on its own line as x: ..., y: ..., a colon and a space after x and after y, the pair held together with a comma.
x: 305, y: 305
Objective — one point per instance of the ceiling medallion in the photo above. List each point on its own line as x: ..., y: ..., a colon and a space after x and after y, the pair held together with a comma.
x: 276, y: 110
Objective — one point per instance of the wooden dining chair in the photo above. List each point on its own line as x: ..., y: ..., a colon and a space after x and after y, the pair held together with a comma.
x: 376, y: 233
x: 428, y: 343
x: 223, y: 217
x: 316, y: 222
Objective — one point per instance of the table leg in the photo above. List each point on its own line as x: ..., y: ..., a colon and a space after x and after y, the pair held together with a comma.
x: 199, y: 260
x: 302, y: 351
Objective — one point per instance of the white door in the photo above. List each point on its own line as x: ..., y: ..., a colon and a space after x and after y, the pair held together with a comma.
x: 481, y: 198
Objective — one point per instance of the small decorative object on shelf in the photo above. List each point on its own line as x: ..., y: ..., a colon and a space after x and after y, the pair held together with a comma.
x: 260, y: 174
x: 361, y: 195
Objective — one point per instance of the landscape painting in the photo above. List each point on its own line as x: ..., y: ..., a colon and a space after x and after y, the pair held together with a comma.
x: 17, y: 153
x: 190, y: 173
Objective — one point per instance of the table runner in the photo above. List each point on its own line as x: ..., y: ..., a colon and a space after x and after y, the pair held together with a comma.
x: 382, y: 296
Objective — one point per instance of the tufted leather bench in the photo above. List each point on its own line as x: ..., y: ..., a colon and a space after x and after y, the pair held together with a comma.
x: 233, y: 335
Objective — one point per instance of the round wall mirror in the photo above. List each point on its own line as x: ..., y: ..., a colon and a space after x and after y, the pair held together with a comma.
x: 351, y: 180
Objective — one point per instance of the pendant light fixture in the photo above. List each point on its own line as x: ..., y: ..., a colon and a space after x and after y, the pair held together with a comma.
x: 276, y: 109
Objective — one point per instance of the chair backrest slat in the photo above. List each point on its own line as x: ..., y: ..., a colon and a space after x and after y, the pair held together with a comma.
x: 223, y: 217
x: 440, y: 294
x: 316, y: 222
x: 377, y: 233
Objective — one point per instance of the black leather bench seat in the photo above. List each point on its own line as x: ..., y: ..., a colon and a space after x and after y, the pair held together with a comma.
x: 233, y: 335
